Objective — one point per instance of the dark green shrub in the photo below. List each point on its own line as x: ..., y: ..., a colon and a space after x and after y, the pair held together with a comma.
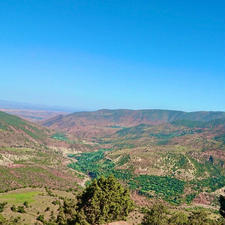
x: 2, y: 206
x: 179, y: 218
x: 26, y: 204
x: 21, y: 209
x: 157, y: 215
x: 199, y: 218
x: 41, y: 218
x: 103, y: 201
x: 13, y: 208
x: 2, y: 220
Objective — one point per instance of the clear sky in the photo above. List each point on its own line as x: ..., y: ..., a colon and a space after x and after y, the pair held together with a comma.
x: 92, y: 54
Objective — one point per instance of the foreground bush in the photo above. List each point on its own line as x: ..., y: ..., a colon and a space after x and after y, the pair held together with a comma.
x: 2, y: 206
x: 103, y: 201
x: 13, y: 221
x: 159, y: 215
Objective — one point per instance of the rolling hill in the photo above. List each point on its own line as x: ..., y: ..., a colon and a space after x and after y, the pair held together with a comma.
x: 178, y: 163
x: 15, y: 131
x: 103, y: 122
x: 171, y: 156
x: 176, y: 156
x: 31, y: 156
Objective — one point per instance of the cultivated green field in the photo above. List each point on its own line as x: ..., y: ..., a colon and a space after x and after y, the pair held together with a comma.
x: 19, y: 197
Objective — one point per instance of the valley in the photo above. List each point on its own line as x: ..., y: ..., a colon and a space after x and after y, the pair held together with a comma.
x: 112, y: 112
x: 157, y: 155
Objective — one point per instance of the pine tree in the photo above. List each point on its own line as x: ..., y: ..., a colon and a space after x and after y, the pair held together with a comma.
x: 104, y: 200
x: 157, y: 215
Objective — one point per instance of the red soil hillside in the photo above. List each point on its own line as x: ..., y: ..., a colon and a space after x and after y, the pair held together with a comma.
x: 17, y: 132
x: 104, y: 122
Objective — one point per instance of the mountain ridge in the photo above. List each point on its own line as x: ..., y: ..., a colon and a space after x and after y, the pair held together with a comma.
x: 106, y: 121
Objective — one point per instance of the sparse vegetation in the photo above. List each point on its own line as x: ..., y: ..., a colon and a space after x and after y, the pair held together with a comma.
x: 173, y: 163
x: 2, y: 206
x: 161, y: 215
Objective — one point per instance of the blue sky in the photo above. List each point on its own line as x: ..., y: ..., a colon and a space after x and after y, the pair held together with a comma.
x: 94, y: 54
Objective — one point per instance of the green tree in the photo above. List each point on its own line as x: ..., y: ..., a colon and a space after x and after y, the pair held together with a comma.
x: 41, y: 218
x: 13, y: 221
x: 178, y: 219
x: 21, y: 209
x: 2, y: 206
x: 61, y: 218
x: 68, y: 211
x: 157, y: 215
x: 13, y: 208
x: 199, y: 218
x: 2, y: 220
x: 103, y: 201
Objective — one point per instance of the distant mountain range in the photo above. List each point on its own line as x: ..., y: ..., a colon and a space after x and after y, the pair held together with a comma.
x: 29, y: 106
x: 103, y: 122
x: 33, y: 112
